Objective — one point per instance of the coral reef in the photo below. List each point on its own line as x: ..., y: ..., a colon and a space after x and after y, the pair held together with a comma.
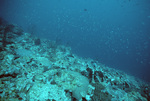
x: 40, y: 69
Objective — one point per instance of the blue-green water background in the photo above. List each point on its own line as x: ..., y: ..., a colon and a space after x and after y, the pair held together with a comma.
x: 114, y: 32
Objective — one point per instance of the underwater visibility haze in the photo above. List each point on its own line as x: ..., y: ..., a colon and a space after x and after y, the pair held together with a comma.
x: 114, y: 32
x: 74, y: 50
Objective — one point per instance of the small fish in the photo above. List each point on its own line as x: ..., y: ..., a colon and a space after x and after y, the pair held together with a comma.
x: 85, y: 9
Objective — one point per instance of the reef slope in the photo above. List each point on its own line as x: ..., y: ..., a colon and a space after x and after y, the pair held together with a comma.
x: 33, y: 69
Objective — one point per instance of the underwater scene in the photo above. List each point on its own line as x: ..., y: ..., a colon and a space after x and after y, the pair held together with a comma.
x: 74, y: 50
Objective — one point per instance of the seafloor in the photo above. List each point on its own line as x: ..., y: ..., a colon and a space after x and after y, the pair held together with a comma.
x: 33, y: 69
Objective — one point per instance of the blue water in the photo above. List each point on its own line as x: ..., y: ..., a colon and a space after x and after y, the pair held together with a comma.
x: 113, y: 32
